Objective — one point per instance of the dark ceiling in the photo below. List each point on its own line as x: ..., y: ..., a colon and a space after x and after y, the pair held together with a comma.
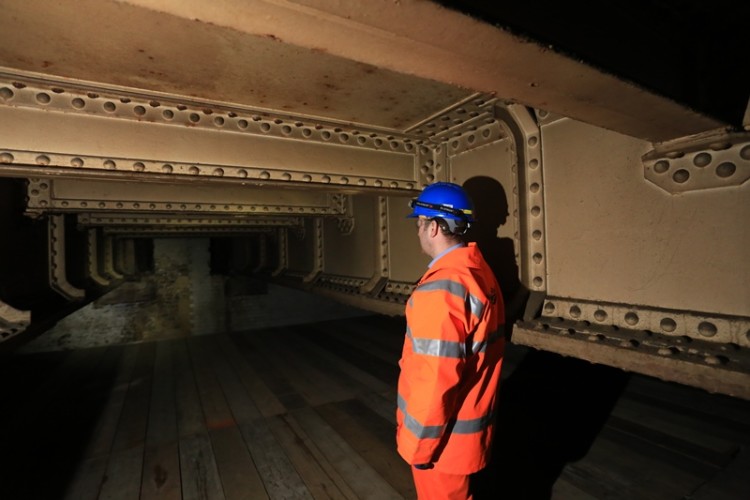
x: 694, y: 52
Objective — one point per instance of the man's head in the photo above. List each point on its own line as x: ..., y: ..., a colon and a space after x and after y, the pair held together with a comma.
x: 444, y: 213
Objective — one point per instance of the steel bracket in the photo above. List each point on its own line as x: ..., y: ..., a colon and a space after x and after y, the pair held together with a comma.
x: 716, y: 160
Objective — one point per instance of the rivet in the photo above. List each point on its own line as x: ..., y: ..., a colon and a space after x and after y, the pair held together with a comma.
x: 326, y: 179
x: 707, y: 329
x: 726, y: 169
x: 243, y: 124
x: 167, y: 168
x: 242, y: 173
x: 535, y: 211
x: 745, y: 153
x: 307, y: 178
x: 265, y: 175
x: 534, y: 188
x: 219, y: 121
x: 110, y: 164
x: 109, y: 106
x: 168, y: 114
x: 76, y: 162
x: 538, y: 281
x: 537, y: 258
x: 575, y: 311
x: 193, y: 170
x: 631, y: 318
x: 286, y: 176
x: 218, y: 172
x: 194, y: 117
x: 139, y: 166
x: 43, y: 98
x: 6, y: 93
x: 534, y: 163
x: 661, y: 166
x: 537, y: 235
x: 549, y: 307
x: 600, y: 315
x: 681, y: 176
x: 362, y: 182
x: 139, y: 110
x: 78, y: 103
x: 532, y: 141
x: 702, y: 159
x: 668, y: 325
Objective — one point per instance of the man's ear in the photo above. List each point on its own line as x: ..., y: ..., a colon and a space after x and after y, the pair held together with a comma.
x: 434, y: 228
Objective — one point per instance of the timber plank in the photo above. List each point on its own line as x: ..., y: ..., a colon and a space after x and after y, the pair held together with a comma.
x: 87, y: 481
x: 373, y: 438
x: 241, y: 405
x: 726, y: 410
x: 122, y: 480
x: 629, y: 469
x: 268, y: 372
x: 320, y: 477
x: 563, y: 490
x: 389, y: 337
x: 189, y: 412
x: 161, y: 472
x: 90, y: 473
x: 239, y: 478
x: 691, y: 437
x: 386, y: 371
x: 318, y: 384
x: 731, y: 483
x: 131, y: 428
x: 161, y: 462
x: 104, y: 431
x: 384, y: 404
x: 198, y: 471
x: 354, y: 338
x: 199, y: 475
x: 265, y: 400
x: 336, y: 364
x: 280, y: 477
x: 215, y: 407
x: 239, y: 475
x: 363, y: 479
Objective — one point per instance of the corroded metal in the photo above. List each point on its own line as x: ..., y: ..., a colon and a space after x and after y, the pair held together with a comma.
x: 116, y: 219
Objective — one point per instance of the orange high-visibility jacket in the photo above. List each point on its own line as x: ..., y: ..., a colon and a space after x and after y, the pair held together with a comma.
x: 450, y: 365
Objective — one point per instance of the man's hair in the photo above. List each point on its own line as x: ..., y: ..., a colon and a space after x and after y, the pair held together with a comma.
x: 446, y: 230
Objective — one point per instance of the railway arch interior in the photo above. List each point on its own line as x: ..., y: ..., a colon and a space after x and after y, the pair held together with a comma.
x: 187, y: 158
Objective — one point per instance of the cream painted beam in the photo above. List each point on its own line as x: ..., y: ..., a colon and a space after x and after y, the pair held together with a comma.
x: 70, y: 134
x: 67, y: 195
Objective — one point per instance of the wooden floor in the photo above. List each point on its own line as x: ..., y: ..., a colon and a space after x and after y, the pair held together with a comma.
x: 308, y: 412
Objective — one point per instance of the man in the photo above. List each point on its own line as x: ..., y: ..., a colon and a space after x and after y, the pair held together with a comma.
x: 453, y: 351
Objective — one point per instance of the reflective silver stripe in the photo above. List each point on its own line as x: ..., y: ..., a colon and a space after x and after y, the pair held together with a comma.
x: 454, y: 288
x: 419, y: 430
x: 493, y: 337
x: 436, y: 347
x: 474, y: 425
x: 434, y: 431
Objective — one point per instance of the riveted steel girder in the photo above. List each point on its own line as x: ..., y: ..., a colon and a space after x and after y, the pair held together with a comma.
x: 67, y: 195
x: 716, y: 160
x: 58, y: 279
x: 93, y: 135
x: 12, y: 321
x: 120, y: 219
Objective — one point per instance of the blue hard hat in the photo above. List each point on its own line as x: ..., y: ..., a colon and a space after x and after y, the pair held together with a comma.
x: 443, y: 199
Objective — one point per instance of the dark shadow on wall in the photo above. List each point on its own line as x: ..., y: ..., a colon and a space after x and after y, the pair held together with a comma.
x: 492, y: 211
x: 551, y: 408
